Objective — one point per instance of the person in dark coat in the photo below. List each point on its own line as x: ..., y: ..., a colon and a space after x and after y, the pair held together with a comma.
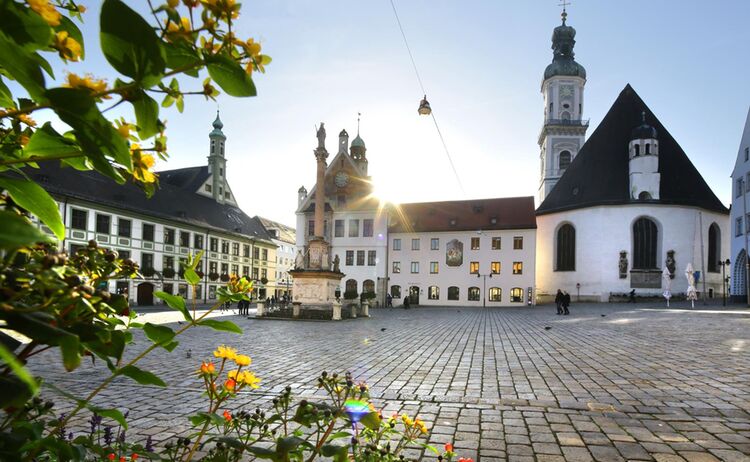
x: 565, y: 302
x: 558, y: 301
x: 631, y: 296
x: 406, y: 302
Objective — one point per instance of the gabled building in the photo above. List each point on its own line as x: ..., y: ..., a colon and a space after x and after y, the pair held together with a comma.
x: 285, y: 239
x: 193, y: 209
x: 740, y: 226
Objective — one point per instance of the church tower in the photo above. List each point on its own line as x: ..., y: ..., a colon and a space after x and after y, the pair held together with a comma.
x: 564, y: 129
x: 644, y: 162
x: 217, y: 163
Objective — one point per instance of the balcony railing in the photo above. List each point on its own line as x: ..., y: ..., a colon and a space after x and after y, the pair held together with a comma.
x: 572, y: 122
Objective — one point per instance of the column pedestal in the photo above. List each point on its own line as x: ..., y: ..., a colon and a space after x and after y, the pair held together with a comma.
x: 261, y: 311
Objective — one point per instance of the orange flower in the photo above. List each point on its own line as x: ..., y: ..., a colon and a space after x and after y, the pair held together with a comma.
x: 111, y: 456
x: 448, y: 447
x: 207, y: 368
x: 227, y: 416
x: 134, y: 457
x: 48, y: 12
x: 123, y: 459
x: 465, y: 459
x: 230, y: 384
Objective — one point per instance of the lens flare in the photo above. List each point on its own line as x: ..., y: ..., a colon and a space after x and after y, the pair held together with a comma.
x: 356, y: 409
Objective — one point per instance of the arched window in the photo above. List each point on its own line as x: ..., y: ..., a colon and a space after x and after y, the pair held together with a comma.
x: 644, y: 196
x: 496, y: 294
x: 565, y: 158
x: 351, y: 285
x: 433, y: 293
x: 645, y: 242
x: 714, y: 248
x: 648, y: 148
x: 565, y: 116
x: 566, y: 248
x: 516, y: 295
x: 739, y: 281
x: 396, y: 291
x: 368, y: 286
x: 474, y: 294
x: 637, y: 148
x: 453, y: 293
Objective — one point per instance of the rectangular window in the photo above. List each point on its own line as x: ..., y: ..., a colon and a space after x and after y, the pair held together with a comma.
x: 474, y: 267
x: 255, y: 273
x: 214, y: 244
x: 78, y: 219
x: 474, y: 294
x: 264, y: 254
x: 415, y: 244
x: 169, y: 236
x: 184, y: 239
x: 225, y: 268
x: 198, y: 241
x: 371, y: 257
x: 397, y: 244
x: 246, y: 271
x: 396, y: 267
x: 311, y: 227
x: 353, y: 228
x: 148, y: 232
x: 367, y: 226
x: 167, y: 262
x: 102, y: 223
x: 263, y: 273
x: 224, y: 246
x: 147, y: 260
x: 235, y: 269
x: 518, y: 242
x: 747, y: 223
x: 495, y: 267
x: 256, y: 253
x: 168, y: 288
x: 738, y: 192
x: 349, y: 258
x: 496, y: 243
x: 434, y: 267
x: 124, y: 227
x: 236, y: 249
x: 747, y: 154
x: 213, y: 267
x: 360, y: 258
x: 338, y: 228
x: 517, y: 267
x: 474, y: 243
x: 246, y: 250
x: 124, y: 254
x: 434, y: 244
x: 415, y: 267
x: 208, y: 188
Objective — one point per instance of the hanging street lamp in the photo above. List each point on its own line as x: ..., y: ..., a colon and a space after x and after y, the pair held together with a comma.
x: 424, y: 107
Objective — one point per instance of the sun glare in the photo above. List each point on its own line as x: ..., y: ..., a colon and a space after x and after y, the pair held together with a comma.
x: 386, y: 192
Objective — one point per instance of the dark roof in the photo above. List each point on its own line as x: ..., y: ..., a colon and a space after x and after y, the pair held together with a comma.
x: 170, y: 201
x: 468, y: 215
x: 600, y: 173
x: 190, y: 178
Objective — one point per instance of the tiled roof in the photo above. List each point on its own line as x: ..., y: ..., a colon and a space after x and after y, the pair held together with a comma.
x: 286, y: 233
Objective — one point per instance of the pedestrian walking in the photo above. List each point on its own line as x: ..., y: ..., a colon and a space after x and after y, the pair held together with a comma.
x: 558, y: 301
x: 388, y: 301
x: 406, y: 302
x: 631, y: 296
x: 566, y: 303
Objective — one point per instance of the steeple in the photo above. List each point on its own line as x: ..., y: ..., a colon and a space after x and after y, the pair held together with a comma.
x: 217, y: 162
x: 359, y: 150
x: 564, y: 129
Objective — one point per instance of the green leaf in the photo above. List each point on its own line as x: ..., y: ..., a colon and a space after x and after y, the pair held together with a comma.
x: 71, y: 352
x: 176, y: 303
x: 15, y: 391
x: 146, y: 115
x: 339, y: 453
x: 141, y: 376
x: 23, y: 66
x: 130, y: 44
x: 46, y: 142
x: 113, y: 414
x: 203, y: 417
x: 192, y: 277
x: 371, y: 420
x: 96, y: 135
x: 21, y: 372
x: 158, y: 334
x: 25, y: 27
x: 73, y: 31
x: 16, y: 231
x: 263, y: 453
x: 37, y: 201
x: 229, y: 75
x: 6, y: 97
x: 215, y: 324
x: 181, y: 56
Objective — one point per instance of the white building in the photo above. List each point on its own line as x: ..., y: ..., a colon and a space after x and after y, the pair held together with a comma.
x: 355, y: 223
x: 740, y: 230
x: 286, y: 240
x: 193, y: 209
x: 463, y: 253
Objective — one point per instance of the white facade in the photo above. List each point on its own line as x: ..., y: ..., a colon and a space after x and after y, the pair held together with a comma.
x: 740, y: 207
x: 602, y: 232
x: 418, y: 265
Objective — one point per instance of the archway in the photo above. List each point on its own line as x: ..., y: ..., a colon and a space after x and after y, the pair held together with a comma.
x: 739, y: 275
x: 414, y: 295
x: 145, y: 295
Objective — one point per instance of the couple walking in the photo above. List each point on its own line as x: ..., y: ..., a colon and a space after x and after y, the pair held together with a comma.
x: 562, y: 300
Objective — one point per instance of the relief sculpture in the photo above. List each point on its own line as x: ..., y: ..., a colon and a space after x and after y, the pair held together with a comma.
x: 623, y: 264
x: 454, y: 253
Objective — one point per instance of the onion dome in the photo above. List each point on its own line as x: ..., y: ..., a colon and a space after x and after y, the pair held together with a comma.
x: 358, y: 142
x: 218, y: 125
x: 563, y: 62
x: 643, y: 131
x: 302, y: 190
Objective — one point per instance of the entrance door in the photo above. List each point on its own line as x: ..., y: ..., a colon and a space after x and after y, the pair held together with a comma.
x: 145, y: 294
x: 739, y: 281
x: 414, y: 295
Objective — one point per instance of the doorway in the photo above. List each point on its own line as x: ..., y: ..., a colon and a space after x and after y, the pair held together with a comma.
x: 145, y: 294
x: 414, y: 295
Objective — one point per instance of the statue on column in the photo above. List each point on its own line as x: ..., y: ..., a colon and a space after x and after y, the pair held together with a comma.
x: 336, y: 264
x: 299, y: 260
x: 321, y: 136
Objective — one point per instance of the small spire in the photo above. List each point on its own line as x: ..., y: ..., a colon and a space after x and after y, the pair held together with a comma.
x: 217, y: 123
x: 359, y: 114
x: 564, y: 14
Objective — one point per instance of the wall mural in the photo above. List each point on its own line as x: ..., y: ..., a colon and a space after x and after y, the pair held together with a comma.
x: 454, y: 253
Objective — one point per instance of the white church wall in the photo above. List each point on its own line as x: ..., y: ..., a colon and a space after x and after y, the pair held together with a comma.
x: 603, y: 232
x: 741, y: 172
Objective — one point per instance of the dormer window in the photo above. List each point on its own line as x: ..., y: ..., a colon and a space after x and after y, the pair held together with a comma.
x: 637, y: 148
x: 453, y: 222
x: 208, y: 188
x: 493, y: 220
x: 648, y: 148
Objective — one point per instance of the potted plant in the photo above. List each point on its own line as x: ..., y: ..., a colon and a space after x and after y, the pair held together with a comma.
x: 213, y: 276
x: 148, y: 272
x: 350, y: 295
x: 168, y: 272
x: 224, y: 278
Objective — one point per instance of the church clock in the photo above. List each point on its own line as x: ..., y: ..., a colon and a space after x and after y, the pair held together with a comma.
x: 341, y: 179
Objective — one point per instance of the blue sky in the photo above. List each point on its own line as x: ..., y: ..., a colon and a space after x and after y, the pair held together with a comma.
x: 481, y: 63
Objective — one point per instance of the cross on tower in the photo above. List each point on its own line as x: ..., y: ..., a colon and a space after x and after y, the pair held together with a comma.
x: 564, y: 14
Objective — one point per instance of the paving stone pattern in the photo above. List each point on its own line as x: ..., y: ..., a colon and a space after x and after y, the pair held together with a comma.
x: 608, y: 383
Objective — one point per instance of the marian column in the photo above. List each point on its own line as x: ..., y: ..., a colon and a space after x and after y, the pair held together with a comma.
x: 318, y: 247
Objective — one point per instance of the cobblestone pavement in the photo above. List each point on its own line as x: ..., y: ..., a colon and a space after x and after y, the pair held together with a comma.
x: 607, y: 383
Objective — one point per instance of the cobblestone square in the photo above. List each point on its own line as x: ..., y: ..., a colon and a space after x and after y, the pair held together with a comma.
x: 607, y: 383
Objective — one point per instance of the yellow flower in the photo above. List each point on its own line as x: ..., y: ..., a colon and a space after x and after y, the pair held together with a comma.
x: 223, y: 9
x: 24, y: 118
x: 142, y: 164
x: 242, y: 360
x: 244, y: 378
x: 67, y: 46
x: 419, y: 423
x: 87, y: 82
x: 225, y: 352
x: 81, y: 9
x: 407, y: 421
x: 47, y: 11
x: 123, y: 128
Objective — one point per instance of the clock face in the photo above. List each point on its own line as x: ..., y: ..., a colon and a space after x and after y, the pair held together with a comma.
x: 566, y: 90
x: 341, y: 179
